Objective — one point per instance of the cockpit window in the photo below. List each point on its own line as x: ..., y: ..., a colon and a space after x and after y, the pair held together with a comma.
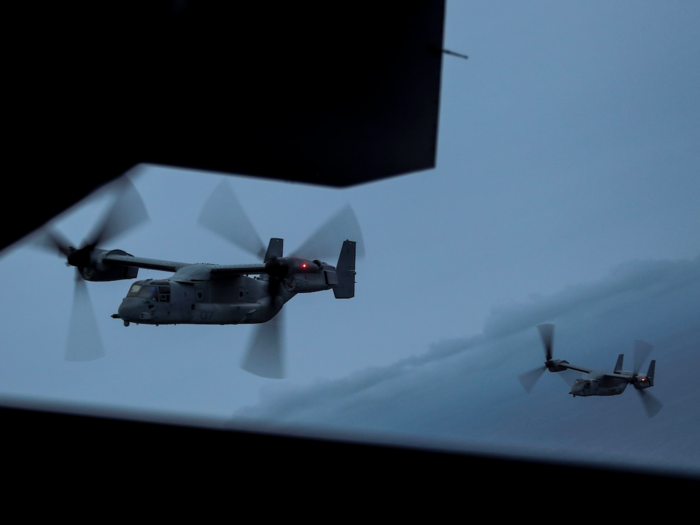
x: 149, y: 292
x: 134, y: 290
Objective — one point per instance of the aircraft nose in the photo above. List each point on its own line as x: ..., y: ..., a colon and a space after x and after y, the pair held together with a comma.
x: 130, y: 309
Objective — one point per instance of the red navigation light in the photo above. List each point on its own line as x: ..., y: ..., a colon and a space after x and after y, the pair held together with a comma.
x: 303, y: 265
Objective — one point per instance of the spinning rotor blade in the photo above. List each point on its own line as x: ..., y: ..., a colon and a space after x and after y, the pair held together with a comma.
x: 547, y: 336
x: 641, y: 353
x: 53, y: 242
x: 326, y: 242
x: 569, y: 376
x: 529, y: 379
x: 127, y: 212
x: 223, y: 215
x: 651, y: 404
x: 265, y: 352
x: 84, y: 342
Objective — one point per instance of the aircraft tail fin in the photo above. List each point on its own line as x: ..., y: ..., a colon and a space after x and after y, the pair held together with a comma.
x: 274, y: 249
x: 618, y: 365
x: 345, y: 270
x: 651, y: 371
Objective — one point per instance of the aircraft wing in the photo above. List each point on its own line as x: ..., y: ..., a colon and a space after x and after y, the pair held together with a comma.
x: 576, y: 367
x: 143, y: 262
x: 609, y: 379
x: 217, y: 270
x: 231, y: 270
x: 613, y: 375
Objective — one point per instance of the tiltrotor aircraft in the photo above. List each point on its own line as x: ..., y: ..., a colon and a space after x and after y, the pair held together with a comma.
x: 597, y: 383
x: 210, y: 293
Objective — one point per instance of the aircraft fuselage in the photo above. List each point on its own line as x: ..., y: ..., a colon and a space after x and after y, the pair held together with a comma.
x: 193, y: 297
x: 600, y: 385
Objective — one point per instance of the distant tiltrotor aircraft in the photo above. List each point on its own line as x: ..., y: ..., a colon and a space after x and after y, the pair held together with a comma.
x: 599, y: 383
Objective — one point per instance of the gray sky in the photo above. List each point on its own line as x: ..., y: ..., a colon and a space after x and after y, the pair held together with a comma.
x: 566, y: 191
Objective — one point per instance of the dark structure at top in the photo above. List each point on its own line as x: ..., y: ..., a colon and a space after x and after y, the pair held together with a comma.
x: 332, y: 93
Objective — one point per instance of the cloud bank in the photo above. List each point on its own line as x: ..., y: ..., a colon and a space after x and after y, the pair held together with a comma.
x: 464, y: 393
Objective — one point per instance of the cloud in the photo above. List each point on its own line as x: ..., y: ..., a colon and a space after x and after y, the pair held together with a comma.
x: 626, y: 284
x: 465, y: 391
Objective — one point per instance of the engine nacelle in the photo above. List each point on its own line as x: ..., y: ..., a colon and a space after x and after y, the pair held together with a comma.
x: 555, y: 365
x: 98, y: 271
x: 282, y: 267
x: 643, y: 382
x: 646, y: 381
x: 312, y: 276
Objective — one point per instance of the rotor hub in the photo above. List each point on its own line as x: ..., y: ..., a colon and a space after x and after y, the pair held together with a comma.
x: 80, y: 257
x: 277, y: 267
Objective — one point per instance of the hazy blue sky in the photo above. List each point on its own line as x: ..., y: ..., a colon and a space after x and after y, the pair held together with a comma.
x: 566, y: 191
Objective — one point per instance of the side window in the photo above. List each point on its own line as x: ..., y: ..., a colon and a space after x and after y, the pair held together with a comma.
x: 164, y: 294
